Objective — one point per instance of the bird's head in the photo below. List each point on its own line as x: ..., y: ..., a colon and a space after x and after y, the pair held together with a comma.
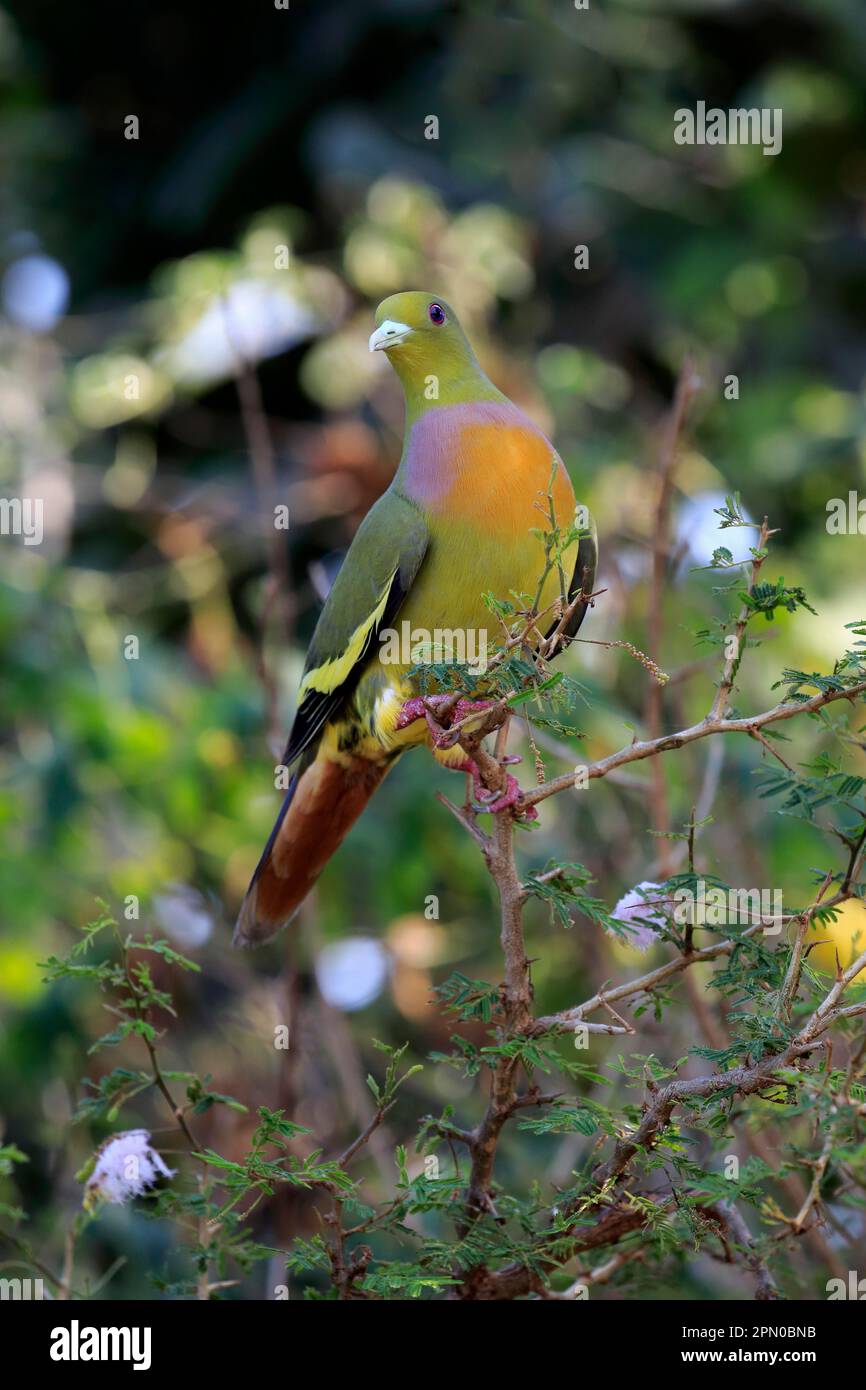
x: 422, y: 338
x: 416, y: 325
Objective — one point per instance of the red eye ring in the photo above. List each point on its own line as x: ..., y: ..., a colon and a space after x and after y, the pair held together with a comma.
x: 436, y: 314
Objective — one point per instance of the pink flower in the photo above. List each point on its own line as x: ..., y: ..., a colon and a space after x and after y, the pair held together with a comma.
x: 126, y: 1166
x: 641, y: 910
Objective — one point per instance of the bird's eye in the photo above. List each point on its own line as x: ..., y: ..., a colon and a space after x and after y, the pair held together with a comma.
x: 437, y: 313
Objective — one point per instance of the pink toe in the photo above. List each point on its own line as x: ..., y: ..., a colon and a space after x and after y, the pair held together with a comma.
x: 510, y: 797
x: 412, y: 710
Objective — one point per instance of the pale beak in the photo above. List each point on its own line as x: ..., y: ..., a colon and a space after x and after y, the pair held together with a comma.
x: 388, y: 335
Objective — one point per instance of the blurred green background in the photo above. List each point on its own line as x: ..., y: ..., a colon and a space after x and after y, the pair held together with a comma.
x: 152, y: 330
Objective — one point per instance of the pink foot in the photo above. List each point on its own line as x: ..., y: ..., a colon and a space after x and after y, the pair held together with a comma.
x: 427, y: 707
x: 497, y: 801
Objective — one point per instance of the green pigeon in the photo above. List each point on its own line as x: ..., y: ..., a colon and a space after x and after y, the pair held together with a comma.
x: 463, y: 517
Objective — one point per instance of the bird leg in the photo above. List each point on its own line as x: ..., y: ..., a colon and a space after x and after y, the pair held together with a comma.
x: 494, y: 801
x: 427, y: 707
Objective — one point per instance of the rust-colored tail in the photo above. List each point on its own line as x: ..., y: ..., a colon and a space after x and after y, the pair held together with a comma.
x: 322, y: 804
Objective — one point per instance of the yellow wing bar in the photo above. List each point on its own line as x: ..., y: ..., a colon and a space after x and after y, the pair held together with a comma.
x: 335, y: 671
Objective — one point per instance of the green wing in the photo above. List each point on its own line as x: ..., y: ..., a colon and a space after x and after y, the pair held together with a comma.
x: 373, y: 581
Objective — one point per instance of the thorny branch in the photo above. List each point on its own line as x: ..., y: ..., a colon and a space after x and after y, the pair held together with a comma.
x: 650, y: 748
x: 503, y: 1099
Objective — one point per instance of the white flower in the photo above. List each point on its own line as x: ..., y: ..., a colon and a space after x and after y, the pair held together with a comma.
x: 641, y: 910
x: 126, y: 1166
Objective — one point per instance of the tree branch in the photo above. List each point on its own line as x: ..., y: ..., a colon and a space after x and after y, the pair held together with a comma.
x: 649, y: 748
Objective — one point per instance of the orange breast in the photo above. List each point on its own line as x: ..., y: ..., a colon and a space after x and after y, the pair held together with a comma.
x: 484, y: 476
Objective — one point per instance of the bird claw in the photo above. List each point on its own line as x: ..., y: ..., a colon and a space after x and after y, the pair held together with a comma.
x: 428, y: 706
x: 493, y: 801
x: 488, y: 802
x: 416, y: 708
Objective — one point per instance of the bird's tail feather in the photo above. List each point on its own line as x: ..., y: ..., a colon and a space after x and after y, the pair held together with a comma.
x: 322, y: 803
